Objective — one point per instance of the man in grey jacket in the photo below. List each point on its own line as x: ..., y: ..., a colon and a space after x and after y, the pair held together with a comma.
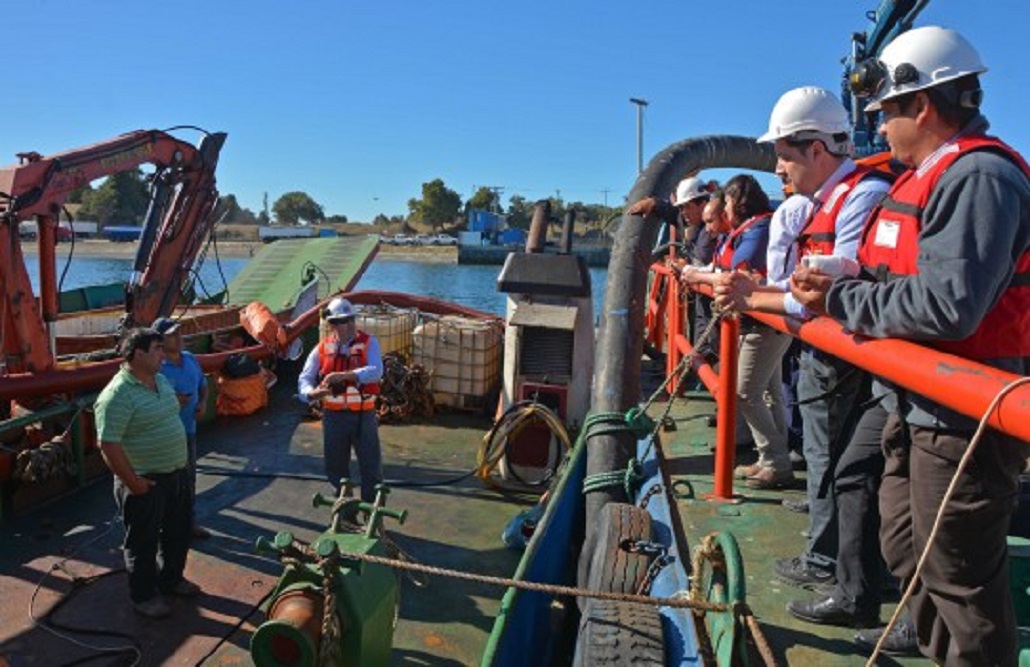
x: 949, y: 254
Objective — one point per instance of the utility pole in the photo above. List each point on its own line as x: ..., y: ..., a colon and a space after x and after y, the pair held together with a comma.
x: 605, y: 191
x: 497, y: 190
x: 640, y: 131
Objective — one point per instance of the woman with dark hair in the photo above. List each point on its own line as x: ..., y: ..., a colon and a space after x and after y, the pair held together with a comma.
x: 759, y: 378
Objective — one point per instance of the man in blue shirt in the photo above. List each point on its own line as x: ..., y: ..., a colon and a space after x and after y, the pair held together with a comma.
x: 187, y: 378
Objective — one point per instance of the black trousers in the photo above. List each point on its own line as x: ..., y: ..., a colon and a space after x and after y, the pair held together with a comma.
x: 156, y: 522
x: 856, y: 486
x: 961, y: 606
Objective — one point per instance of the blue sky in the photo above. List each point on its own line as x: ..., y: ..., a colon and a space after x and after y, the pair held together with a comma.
x: 359, y: 102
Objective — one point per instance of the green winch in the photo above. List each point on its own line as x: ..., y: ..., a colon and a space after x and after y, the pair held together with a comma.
x: 329, y: 607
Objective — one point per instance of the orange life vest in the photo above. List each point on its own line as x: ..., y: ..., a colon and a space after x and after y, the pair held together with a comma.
x: 890, y: 247
x: 355, y: 397
x: 724, y: 255
x: 819, y: 235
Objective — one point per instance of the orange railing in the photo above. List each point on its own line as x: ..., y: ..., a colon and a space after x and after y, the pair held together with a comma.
x: 962, y: 385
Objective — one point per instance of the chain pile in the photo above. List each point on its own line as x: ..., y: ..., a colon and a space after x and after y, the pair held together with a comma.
x: 404, y: 391
x: 49, y: 460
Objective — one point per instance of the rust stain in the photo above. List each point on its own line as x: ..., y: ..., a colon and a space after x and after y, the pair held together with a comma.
x: 433, y: 641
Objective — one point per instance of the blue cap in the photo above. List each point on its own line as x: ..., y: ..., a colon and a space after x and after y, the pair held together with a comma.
x: 165, y: 325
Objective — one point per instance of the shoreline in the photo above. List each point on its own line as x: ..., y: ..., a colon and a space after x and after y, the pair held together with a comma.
x: 103, y: 249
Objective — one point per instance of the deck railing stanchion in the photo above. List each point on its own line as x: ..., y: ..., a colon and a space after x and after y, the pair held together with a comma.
x: 726, y: 404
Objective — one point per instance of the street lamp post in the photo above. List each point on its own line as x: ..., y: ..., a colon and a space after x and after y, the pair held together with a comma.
x: 640, y: 131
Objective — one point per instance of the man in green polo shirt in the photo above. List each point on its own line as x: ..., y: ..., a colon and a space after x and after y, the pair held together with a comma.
x: 143, y: 442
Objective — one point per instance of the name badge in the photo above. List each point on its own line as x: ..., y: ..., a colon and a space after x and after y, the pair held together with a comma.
x: 887, y: 234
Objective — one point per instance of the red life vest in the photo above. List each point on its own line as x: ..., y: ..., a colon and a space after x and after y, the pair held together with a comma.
x: 355, y: 397
x: 819, y: 235
x: 724, y: 255
x: 890, y: 247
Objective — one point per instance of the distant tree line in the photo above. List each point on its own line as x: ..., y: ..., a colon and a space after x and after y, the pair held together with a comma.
x: 123, y: 199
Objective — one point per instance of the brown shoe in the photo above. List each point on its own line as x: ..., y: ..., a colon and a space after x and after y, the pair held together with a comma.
x: 744, y: 472
x: 767, y: 479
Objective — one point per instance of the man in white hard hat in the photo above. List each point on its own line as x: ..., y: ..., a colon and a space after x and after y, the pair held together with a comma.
x: 682, y: 213
x: 685, y: 215
x: 343, y: 374
x: 947, y: 261
x: 810, y: 130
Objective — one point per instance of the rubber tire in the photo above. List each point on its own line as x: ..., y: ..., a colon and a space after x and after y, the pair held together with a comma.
x: 619, y: 633
x: 612, y: 568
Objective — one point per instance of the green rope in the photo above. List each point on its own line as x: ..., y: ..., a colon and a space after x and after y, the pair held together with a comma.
x: 634, y: 421
x: 628, y: 479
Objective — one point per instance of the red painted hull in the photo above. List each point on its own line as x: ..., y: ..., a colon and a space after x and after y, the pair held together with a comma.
x: 90, y: 376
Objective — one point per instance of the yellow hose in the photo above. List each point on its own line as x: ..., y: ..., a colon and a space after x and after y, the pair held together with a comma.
x: 511, y: 423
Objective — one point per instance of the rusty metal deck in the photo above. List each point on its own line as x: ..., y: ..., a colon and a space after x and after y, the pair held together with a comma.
x: 442, y: 623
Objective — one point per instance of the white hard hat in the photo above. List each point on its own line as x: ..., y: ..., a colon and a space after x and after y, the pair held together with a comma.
x: 917, y: 59
x: 809, y: 113
x: 339, y: 310
x: 690, y: 189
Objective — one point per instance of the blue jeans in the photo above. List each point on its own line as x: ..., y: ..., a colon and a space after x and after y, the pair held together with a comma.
x: 826, y: 427
x: 343, y: 430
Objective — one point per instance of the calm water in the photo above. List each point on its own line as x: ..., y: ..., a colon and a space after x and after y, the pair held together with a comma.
x: 473, y: 286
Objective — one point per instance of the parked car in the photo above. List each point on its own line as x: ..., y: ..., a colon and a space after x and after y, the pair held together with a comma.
x: 423, y: 239
x: 401, y: 239
x: 444, y: 239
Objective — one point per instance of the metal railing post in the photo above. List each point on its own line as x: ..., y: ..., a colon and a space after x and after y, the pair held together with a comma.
x: 674, y: 329
x: 726, y: 402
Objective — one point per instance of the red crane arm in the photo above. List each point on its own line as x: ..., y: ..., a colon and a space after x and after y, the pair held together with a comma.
x: 178, y: 221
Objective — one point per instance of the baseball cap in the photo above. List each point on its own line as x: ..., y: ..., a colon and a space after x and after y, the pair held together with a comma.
x: 165, y: 325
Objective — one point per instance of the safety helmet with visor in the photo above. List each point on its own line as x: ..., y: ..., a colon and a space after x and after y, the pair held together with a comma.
x: 338, y: 311
x: 810, y: 113
x: 690, y: 189
x: 916, y: 60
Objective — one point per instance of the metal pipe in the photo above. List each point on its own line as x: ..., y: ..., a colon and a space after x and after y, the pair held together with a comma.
x: 538, y: 227
x: 959, y: 384
x: 640, y: 131
x: 566, y: 232
x: 726, y: 401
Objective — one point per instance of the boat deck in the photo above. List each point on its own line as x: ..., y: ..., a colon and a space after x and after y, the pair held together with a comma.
x: 444, y: 622
x: 765, y: 531
x: 258, y: 474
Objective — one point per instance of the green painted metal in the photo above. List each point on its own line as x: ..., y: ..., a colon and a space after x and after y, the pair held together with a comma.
x: 367, y: 595
x: 93, y: 296
x: 76, y: 427
x: 1019, y: 577
x: 279, y: 270
x: 723, y: 579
